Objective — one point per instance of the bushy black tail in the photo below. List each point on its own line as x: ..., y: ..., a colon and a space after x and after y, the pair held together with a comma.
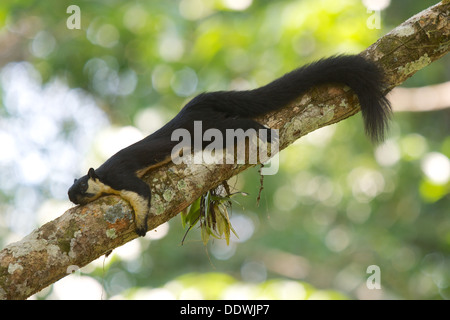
x: 361, y: 75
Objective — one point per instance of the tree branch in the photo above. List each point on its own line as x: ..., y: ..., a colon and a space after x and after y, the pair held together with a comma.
x: 428, y: 98
x: 85, y: 233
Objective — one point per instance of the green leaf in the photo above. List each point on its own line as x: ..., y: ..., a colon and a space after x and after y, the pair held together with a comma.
x: 205, y: 234
x: 193, y: 214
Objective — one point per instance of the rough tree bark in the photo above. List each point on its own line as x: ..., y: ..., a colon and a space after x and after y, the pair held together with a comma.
x: 85, y: 233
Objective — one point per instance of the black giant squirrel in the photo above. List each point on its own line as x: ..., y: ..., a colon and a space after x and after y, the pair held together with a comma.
x: 121, y: 174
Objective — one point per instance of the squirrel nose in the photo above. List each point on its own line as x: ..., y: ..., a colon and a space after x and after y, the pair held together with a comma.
x: 72, y: 196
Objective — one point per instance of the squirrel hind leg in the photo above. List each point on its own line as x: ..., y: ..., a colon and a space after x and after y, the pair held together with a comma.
x: 238, y: 139
x: 243, y: 124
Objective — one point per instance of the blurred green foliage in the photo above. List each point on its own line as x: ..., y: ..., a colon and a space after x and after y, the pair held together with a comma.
x: 337, y: 205
x: 221, y: 286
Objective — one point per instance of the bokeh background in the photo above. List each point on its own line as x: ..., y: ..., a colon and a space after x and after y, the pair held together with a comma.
x: 70, y: 98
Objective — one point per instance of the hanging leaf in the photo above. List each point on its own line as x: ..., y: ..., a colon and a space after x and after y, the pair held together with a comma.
x: 193, y: 214
x: 183, y: 215
x: 205, y: 234
x: 211, y: 212
x: 221, y: 223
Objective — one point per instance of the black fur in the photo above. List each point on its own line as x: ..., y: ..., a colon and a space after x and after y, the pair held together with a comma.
x: 237, y: 109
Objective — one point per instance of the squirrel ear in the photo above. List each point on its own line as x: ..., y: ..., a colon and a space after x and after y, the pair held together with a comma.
x: 92, y: 174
